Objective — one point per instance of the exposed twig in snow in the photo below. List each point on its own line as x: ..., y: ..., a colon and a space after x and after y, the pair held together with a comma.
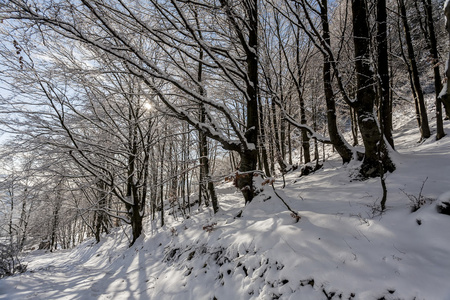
x: 295, y: 215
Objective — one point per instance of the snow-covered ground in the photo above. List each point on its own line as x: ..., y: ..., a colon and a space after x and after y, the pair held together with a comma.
x: 341, y: 248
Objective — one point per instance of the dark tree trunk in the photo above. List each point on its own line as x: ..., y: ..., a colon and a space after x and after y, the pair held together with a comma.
x: 205, y: 178
x: 206, y: 186
x: 133, y: 201
x: 206, y: 183
x: 383, y: 72
x: 277, y: 143
x: 202, y: 147
x: 354, y: 120
x: 444, y: 96
x: 305, y: 137
x: 101, y: 220
x: 410, y: 76
x: 272, y: 139
x: 280, y: 134
x: 365, y: 96
x: 55, y: 222
x: 134, y: 209
x: 262, y: 139
x: 24, y: 220
x: 244, y: 179
x: 283, y: 139
x: 154, y: 190
x: 161, y: 180
x: 289, y: 143
x: 136, y: 222
x: 337, y: 140
x: 249, y: 156
x: 11, y: 217
x: 248, y: 40
x: 424, y: 126
x: 435, y: 60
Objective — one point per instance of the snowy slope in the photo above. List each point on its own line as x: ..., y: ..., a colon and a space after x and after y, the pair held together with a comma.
x: 341, y: 248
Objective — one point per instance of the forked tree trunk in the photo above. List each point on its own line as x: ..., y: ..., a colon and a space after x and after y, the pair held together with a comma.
x: 336, y: 138
x: 365, y: 96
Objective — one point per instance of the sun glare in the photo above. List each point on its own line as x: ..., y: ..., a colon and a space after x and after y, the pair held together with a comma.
x: 148, y: 106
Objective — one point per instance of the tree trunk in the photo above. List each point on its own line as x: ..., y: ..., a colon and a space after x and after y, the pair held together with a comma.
x: 262, y: 139
x: 424, y: 126
x: 289, y: 144
x: 205, y: 182
x: 161, y: 178
x: 24, y: 219
x: 305, y: 137
x: 276, y: 140
x: 272, y: 139
x: 383, y: 72
x: 132, y: 196
x: 101, y: 218
x: 136, y: 222
x: 185, y: 175
x: 249, y: 156
x: 437, y: 76
x: 354, y: 120
x: 336, y: 138
x: 365, y: 96
x: 11, y: 219
x: 444, y: 96
x: 203, y: 143
x: 55, y: 222
x: 154, y: 189
x: 244, y: 179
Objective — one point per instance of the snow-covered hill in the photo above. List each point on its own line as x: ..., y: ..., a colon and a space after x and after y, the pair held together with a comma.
x: 341, y: 248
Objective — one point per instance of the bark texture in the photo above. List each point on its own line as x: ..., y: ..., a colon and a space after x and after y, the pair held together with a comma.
x: 383, y: 72
x: 424, y: 125
x: 336, y: 138
x: 365, y: 96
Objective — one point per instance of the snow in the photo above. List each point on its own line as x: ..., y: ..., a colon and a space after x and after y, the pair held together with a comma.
x: 447, y: 7
x: 341, y: 244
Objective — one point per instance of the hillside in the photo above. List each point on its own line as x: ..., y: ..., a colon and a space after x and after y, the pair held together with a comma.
x: 341, y: 248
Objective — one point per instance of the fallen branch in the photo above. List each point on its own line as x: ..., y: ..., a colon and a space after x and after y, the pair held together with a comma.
x: 294, y: 214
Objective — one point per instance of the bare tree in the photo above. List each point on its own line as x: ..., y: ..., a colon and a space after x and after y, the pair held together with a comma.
x: 231, y: 55
x: 383, y: 72
x: 418, y: 92
x: 444, y: 95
